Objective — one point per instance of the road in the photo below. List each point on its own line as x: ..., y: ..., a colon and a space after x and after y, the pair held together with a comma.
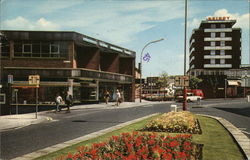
x: 81, y: 122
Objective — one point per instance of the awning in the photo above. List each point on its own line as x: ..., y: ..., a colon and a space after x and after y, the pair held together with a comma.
x: 233, y: 82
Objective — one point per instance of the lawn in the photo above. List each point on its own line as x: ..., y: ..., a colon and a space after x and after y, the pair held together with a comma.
x: 218, y: 144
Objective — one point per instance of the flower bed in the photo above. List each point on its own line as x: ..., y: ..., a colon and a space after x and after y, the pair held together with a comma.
x: 137, y: 146
x: 174, y: 122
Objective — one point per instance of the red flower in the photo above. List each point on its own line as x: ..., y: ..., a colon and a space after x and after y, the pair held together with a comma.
x: 151, y: 142
x: 174, y: 143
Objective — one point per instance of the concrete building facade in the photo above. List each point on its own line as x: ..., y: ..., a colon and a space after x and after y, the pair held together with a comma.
x: 65, y: 61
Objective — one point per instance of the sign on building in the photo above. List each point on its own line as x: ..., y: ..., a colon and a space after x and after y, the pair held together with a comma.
x: 34, y: 79
x: 181, y: 81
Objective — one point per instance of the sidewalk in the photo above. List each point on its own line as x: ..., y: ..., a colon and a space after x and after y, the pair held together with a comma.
x: 15, y: 121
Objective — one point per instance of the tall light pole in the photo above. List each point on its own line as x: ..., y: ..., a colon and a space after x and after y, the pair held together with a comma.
x: 141, y: 63
x: 184, y: 107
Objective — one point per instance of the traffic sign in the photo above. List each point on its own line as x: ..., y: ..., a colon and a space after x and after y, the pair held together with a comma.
x: 34, y: 79
x: 181, y: 81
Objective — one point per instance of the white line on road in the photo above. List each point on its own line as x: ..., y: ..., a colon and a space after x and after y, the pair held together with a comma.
x: 245, y: 132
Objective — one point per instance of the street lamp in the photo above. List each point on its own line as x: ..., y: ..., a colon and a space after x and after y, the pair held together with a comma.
x: 141, y: 63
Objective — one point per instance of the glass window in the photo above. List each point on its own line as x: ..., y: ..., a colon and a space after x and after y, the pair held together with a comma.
x: 212, y: 52
x: 18, y: 49
x: 212, y: 61
x: 45, y: 49
x: 222, y: 34
x: 212, y: 35
x: 54, y: 48
x: 5, y: 48
x: 222, y: 26
x: 222, y: 61
x: 222, y: 43
x: 212, y: 43
x: 222, y: 52
x: 213, y: 26
x: 27, y: 48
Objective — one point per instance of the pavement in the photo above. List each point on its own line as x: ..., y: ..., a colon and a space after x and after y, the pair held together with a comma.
x: 10, y: 122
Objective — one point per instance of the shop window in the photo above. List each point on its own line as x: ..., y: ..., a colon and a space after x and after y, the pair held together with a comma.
x: 2, y: 98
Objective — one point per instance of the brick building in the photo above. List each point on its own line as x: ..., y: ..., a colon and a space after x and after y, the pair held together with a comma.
x: 65, y: 61
x: 215, y: 57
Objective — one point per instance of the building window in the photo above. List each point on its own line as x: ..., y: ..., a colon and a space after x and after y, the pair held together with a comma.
x: 5, y: 48
x: 212, y: 44
x: 213, y: 25
x: 222, y: 26
x: 27, y: 48
x: 222, y: 61
x: 212, y: 52
x: 212, y: 61
x: 222, y: 52
x: 222, y: 34
x: 222, y: 43
x: 212, y: 35
x: 54, y: 49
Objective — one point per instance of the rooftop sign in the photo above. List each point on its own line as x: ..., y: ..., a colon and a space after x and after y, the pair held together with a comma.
x: 218, y: 18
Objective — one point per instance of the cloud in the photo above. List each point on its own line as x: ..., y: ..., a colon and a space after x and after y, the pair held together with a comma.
x: 194, y: 23
x: 242, y: 21
x: 21, y: 23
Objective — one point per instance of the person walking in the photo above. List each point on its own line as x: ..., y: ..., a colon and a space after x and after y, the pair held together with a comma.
x: 106, y: 96
x: 58, y: 100
x: 69, y: 101
x: 118, y: 97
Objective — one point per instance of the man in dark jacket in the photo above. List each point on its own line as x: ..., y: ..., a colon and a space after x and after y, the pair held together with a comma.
x: 69, y: 101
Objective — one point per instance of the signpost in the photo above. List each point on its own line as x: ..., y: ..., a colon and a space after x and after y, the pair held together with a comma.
x: 35, y: 80
x: 181, y: 81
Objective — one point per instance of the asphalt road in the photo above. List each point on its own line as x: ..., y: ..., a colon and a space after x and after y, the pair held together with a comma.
x: 81, y: 122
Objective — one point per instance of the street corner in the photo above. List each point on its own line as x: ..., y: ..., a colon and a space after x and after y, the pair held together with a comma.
x: 11, y: 122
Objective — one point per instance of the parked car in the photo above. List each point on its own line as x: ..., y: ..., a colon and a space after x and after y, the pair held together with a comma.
x: 190, y: 98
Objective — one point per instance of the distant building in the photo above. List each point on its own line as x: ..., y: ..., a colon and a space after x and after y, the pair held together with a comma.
x: 65, y: 61
x: 215, y: 57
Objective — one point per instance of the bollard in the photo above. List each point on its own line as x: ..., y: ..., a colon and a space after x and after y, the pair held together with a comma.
x: 173, y: 107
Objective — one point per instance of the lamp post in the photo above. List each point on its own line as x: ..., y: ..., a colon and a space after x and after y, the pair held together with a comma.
x: 184, y: 106
x: 141, y: 63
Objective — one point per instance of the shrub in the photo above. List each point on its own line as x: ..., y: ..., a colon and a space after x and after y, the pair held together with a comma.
x: 137, y: 146
x: 175, y: 122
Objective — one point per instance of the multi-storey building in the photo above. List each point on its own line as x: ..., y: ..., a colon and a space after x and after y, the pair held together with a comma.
x: 215, y: 53
x: 65, y: 61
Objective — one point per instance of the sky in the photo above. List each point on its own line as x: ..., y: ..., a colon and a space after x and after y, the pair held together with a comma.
x: 130, y: 24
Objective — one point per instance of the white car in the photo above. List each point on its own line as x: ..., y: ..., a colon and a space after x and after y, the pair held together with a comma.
x: 190, y: 97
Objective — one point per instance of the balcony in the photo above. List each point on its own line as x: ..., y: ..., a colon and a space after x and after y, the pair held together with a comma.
x: 217, y: 65
x: 218, y: 39
x: 217, y: 56
x: 58, y: 73
x: 218, y: 30
x: 218, y: 48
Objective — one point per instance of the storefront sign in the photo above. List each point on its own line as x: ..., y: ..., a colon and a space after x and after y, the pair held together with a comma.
x: 34, y: 79
x: 217, y: 18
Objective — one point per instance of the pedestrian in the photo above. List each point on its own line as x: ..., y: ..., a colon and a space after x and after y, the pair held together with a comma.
x: 58, y: 100
x: 106, y: 96
x: 69, y: 101
x: 118, y: 97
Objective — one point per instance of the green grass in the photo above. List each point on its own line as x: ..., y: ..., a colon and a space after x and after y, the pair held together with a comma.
x: 218, y: 144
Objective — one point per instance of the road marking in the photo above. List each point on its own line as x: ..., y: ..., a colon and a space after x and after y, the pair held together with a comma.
x: 242, y: 129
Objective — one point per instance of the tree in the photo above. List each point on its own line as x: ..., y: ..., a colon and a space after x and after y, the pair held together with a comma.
x: 163, y: 81
x: 194, y: 82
